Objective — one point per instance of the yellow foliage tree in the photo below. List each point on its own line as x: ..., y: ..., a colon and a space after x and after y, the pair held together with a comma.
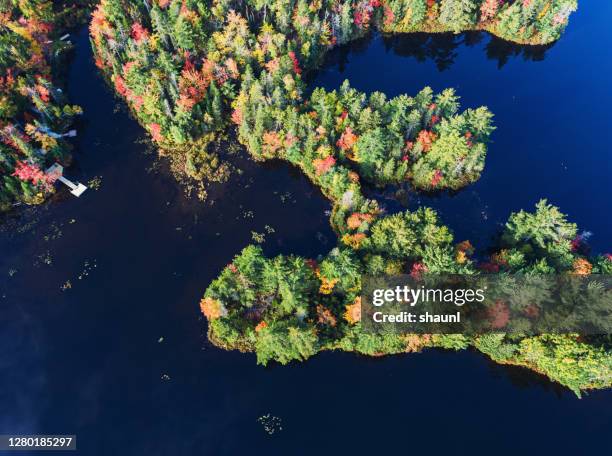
x: 327, y: 285
x: 353, y: 311
x: 212, y: 308
x: 582, y: 267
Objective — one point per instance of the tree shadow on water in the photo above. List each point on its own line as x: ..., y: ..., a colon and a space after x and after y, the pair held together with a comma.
x: 339, y: 56
x: 524, y: 378
x: 503, y: 51
x: 442, y: 48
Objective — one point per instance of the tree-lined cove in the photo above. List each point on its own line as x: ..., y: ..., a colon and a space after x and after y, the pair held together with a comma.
x: 184, y: 66
x: 196, y: 73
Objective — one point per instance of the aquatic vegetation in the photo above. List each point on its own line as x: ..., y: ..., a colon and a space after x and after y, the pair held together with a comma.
x: 271, y: 424
x: 35, y: 116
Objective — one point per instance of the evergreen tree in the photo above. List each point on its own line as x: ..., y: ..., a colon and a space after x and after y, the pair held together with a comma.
x: 458, y: 14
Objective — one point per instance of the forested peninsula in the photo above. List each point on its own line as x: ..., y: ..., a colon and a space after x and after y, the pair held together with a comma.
x: 192, y: 70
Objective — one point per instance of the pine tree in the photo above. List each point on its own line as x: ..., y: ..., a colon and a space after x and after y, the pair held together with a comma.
x: 184, y: 33
x: 458, y: 14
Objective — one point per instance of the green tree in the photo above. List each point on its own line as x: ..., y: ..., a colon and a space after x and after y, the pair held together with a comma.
x: 459, y: 14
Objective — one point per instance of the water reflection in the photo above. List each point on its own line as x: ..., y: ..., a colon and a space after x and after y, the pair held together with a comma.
x: 524, y: 378
x: 442, y: 47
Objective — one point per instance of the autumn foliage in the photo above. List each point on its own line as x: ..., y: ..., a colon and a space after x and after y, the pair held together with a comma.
x: 35, y: 117
x: 347, y: 139
x: 582, y: 266
x: 353, y: 311
x: 323, y: 165
x: 211, y: 308
x: 325, y: 316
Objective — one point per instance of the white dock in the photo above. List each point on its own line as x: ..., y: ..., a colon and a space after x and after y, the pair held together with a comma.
x: 56, y: 171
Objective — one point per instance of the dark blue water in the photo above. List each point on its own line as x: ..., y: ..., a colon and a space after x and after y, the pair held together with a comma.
x: 121, y: 359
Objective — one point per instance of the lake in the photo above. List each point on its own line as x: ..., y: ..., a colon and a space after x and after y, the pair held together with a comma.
x: 100, y: 330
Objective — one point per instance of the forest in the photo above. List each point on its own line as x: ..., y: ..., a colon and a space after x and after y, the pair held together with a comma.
x: 190, y: 70
x: 289, y: 308
x: 194, y: 72
x: 35, y: 116
x: 184, y: 66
